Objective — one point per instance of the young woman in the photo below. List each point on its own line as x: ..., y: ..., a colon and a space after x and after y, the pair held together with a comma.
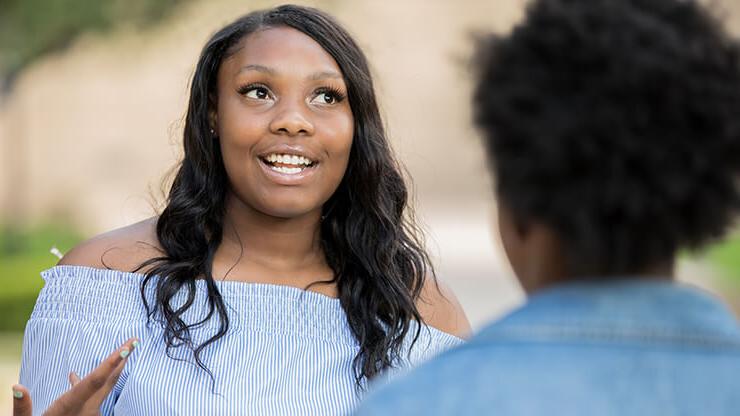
x: 283, y: 273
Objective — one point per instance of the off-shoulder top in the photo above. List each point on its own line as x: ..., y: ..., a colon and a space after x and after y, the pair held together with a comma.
x: 287, y: 351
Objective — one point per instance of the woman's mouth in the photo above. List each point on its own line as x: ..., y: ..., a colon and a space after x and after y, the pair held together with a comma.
x: 287, y: 164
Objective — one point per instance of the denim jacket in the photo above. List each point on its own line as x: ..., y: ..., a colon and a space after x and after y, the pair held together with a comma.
x: 627, y: 347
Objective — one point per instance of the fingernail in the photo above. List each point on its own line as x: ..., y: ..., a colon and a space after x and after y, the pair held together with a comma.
x: 17, y: 394
x: 136, y: 344
x: 125, y: 352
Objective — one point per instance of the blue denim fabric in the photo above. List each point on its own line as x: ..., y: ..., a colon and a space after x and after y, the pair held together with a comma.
x: 628, y: 347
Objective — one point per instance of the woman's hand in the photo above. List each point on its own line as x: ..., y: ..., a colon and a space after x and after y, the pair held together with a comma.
x: 86, y: 395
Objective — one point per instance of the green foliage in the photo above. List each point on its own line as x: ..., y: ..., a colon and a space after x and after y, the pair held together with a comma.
x: 23, y: 255
x: 30, y: 29
x: 726, y: 256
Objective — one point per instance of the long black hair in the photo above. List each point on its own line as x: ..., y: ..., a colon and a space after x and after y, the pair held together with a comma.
x: 368, y: 237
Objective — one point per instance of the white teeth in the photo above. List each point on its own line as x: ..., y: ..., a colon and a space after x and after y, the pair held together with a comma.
x: 290, y: 171
x: 288, y: 159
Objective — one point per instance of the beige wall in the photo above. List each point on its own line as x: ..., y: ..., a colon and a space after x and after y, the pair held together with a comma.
x: 96, y: 125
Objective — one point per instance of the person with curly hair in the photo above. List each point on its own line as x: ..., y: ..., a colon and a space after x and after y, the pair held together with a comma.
x: 613, y: 134
x: 285, y: 271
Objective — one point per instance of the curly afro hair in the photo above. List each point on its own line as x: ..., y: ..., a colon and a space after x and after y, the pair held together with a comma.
x: 617, y: 124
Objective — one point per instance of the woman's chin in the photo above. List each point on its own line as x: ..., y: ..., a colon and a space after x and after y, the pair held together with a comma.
x: 289, y: 211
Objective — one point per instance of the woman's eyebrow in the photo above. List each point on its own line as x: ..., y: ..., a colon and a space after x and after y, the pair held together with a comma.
x: 324, y: 75
x: 258, y: 68
x: 316, y: 76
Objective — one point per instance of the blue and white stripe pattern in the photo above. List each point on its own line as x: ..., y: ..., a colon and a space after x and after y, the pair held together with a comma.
x: 287, y: 351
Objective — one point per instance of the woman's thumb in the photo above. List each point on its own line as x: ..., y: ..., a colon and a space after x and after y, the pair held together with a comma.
x: 21, y: 401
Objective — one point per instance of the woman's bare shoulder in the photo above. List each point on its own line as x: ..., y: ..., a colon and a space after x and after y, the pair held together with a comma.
x: 122, y: 249
x: 440, y: 309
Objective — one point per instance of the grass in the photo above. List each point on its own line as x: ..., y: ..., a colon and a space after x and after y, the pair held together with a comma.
x: 23, y: 255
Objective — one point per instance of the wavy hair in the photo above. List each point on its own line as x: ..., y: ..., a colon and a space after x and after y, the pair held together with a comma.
x: 368, y: 234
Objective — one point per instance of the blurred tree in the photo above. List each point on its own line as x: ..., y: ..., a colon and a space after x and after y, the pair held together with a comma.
x: 29, y: 29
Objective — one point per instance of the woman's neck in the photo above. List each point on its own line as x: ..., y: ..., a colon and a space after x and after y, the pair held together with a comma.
x: 258, y: 242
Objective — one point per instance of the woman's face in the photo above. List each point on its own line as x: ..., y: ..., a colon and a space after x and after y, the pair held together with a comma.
x: 284, y: 123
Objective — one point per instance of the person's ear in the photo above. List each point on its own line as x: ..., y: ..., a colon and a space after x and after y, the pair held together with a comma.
x: 517, y: 222
x: 213, y: 123
x: 521, y: 226
x: 212, y: 114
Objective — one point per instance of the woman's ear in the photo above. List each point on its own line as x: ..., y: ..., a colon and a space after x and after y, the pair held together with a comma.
x: 213, y: 113
x: 213, y: 123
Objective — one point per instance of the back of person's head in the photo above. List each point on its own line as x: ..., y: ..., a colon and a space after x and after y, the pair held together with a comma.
x: 615, y: 123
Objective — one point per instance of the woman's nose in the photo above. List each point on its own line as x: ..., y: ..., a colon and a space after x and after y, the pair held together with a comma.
x: 292, y: 121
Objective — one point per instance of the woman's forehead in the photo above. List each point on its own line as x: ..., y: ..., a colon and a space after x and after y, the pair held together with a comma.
x: 281, y: 51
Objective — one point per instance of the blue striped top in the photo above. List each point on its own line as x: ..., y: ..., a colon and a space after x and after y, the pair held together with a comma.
x: 287, y: 351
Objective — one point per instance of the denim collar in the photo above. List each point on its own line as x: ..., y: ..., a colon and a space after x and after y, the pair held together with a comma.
x: 623, y: 310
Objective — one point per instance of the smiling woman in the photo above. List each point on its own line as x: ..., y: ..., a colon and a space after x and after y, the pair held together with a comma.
x: 284, y: 123
x: 285, y: 265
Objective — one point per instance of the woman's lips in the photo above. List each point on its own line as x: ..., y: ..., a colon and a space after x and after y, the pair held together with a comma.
x: 287, y: 174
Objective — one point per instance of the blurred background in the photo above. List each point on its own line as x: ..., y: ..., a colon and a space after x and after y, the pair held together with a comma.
x: 92, y: 99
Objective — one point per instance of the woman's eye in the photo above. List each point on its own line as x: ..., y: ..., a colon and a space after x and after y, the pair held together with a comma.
x: 257, y: 93
x: 326, y: 97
